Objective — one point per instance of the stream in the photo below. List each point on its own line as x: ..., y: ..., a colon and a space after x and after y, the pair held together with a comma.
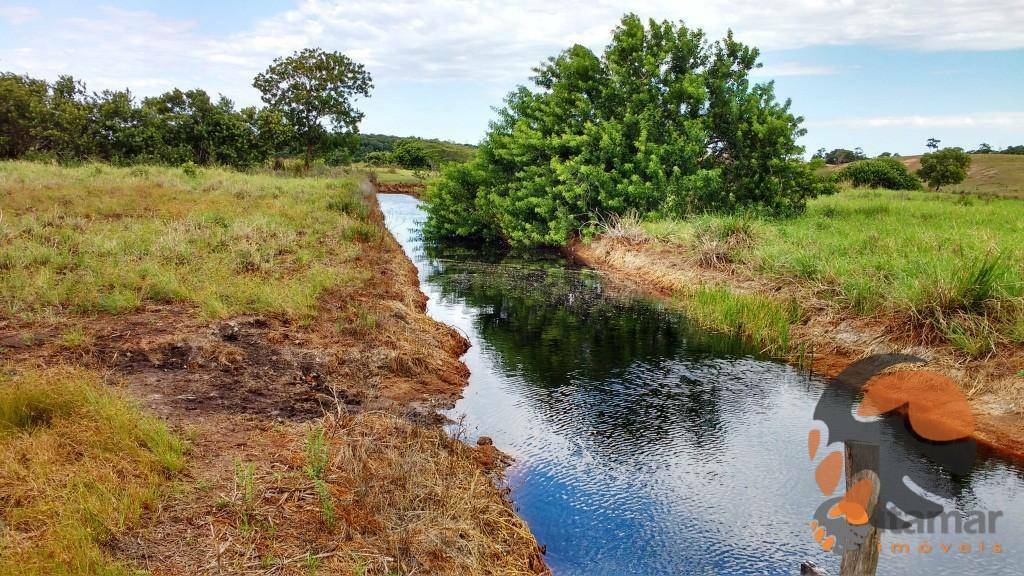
x: 645, y: 445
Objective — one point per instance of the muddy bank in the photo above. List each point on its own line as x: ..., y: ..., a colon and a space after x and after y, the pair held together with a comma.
x: 414, y: 190
x: 314, y: 444
x: 831, y: 337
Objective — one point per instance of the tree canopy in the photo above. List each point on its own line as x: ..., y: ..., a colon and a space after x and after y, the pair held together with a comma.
x: 313, y: 86
x: 663, y: 121
x: 63, y: 121
x: 946, y: 166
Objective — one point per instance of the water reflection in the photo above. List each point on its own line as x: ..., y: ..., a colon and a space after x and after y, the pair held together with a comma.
x: 645, y: 445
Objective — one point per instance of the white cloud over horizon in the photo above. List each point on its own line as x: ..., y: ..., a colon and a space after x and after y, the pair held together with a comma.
x: 489, y: 40
x: 1000, y: 120
x: 472, y: 52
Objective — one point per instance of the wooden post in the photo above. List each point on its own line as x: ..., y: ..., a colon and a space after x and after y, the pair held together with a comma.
x: 862, y: 462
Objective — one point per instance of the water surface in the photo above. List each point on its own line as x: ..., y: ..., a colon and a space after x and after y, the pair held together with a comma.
x: 645, y: 445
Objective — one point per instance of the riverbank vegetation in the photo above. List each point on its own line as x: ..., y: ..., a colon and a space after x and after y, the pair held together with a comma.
x: 944, y: 267
x: 663, y: 121
x: 864, y: 271
x: 207, y: 369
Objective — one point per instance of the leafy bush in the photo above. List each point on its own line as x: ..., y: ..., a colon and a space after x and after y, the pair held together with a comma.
x: 884, y: 172
x: 947, y: 166
x: 662, y: 121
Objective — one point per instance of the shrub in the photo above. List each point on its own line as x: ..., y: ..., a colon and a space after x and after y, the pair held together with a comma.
x: 663, y: 120
x: 880, y: 173
x: 947, y: 166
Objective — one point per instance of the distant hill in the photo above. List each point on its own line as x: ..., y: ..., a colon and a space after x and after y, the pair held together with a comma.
x: 998, y: 174
x: 443, y: 150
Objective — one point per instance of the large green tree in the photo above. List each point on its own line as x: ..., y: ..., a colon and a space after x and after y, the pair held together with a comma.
x: 946, y: 166
x: 311, y: 87
x: 663, y: 121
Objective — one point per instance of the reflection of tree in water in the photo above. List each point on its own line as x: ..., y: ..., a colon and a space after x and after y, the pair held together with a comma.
x: 616, y: 369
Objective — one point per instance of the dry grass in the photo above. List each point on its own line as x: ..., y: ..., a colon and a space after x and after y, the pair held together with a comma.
x: 367, y: 494
x: 990, y: 174
x: 79, y: 465
x: 627, y: 228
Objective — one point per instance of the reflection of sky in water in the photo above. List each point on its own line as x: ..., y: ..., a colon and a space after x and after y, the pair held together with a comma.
x: 644, y: 446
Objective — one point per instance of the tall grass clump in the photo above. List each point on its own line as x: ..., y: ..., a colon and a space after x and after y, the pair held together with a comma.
x: 763, y: 321
x: 967, y: 309
x: 79, y: 463
x: 716, y: 240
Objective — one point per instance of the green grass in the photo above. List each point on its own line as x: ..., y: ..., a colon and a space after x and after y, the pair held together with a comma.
x: 79, y: 464
x: 390, y: 175
x: 763, y: 321
x: 101, y: 239
x: 952, y: 262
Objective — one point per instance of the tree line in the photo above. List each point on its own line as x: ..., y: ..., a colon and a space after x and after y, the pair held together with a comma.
x: 309, y: 99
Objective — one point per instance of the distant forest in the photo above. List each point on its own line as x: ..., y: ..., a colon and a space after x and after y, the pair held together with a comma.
x: 64, y: 122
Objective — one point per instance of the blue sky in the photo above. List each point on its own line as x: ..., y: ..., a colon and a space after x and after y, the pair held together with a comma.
x: 878, y: 74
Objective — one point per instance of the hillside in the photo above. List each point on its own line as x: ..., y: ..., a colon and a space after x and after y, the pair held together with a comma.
x: 990, y: 174
x: 442, y: 150
x: 999, y: 174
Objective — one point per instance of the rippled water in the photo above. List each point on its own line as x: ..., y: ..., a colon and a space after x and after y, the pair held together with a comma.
x: 646, y: 446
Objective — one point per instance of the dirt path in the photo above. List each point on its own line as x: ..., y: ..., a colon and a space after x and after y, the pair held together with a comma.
x: 836, y: 338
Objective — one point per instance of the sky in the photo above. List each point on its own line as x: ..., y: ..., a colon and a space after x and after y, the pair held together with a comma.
x: 883, y: 75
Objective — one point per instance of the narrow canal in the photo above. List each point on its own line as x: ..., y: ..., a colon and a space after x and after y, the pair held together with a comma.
x: 647, y: 446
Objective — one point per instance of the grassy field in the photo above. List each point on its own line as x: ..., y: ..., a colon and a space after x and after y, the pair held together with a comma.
x: 392, y: 175
x: 102, y: 239
x: 951, y: 265
x: 989, y: 175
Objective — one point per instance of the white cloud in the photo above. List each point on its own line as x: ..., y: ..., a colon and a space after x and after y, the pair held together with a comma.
x: 496, y: 40
x: 16, y: 15
x: 485, y: 40
x: 1003, y: 120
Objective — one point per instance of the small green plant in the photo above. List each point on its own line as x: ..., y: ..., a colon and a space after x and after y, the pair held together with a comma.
x: 312, y: 564
x: 74, y: 339
x: 316, y: 454
x: 317, y: 460
x: 190, y: 169
x: 245, y: 488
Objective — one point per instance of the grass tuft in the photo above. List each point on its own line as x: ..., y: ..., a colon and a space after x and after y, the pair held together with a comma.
x: 79, y: 464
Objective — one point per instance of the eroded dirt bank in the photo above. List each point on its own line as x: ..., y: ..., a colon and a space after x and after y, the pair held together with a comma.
x: 831, y: 338
x: 314, y: 446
